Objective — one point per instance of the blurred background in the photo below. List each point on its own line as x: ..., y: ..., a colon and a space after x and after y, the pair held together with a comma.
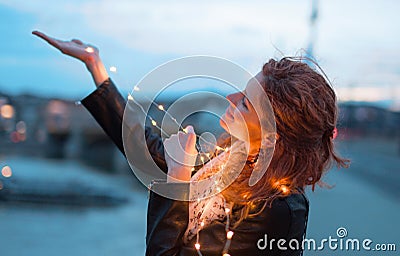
x: 66, y: 190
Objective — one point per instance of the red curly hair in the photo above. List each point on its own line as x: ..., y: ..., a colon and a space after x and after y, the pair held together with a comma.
x: 305, y: 108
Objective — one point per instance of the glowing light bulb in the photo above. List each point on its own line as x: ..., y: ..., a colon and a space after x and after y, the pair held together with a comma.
x: 89, y: 49
x: 113, y: 69
x: 160, y: 107
x: 136, y: 88
x: 229, y: 234
x: 7, y: 111
x: 197, y: 246
x: 284, y: 189
x: 202, y: 224
x: 226, y: 254
x: 6, y: 171
x: 227, y: 210
x: 153, y: 122
x: 130, y: 97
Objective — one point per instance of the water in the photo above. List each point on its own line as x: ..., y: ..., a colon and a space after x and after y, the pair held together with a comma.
x: 35, y: 229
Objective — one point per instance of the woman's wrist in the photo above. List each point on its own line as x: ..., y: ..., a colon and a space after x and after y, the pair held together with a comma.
x: 97, y: 70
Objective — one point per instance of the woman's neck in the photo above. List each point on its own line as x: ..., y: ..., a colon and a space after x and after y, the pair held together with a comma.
x: 254, y: 148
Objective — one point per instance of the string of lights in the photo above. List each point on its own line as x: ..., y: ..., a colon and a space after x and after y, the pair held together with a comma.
x: 229, y: 233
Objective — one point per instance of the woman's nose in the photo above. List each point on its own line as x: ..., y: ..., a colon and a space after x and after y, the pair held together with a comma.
x: 234, y: 97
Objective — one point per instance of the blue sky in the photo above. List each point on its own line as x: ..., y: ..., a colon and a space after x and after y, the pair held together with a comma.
x: 356, y: 42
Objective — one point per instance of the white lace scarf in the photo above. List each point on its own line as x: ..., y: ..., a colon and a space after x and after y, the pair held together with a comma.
x: 202, y: 212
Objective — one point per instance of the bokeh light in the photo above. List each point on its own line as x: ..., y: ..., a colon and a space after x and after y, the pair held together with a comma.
x: 7, y: 111
x: 21, y: 127
x: 6, y: 171
x: 113, y: 69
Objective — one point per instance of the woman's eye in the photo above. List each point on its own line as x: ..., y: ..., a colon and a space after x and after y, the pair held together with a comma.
x: 244, y: 102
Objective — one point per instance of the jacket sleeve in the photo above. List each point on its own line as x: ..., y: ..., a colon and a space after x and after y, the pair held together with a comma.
x: 167, y: 220
x: 107, y: 106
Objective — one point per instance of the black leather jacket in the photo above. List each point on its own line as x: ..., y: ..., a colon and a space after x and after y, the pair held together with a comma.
x: 167, y: 219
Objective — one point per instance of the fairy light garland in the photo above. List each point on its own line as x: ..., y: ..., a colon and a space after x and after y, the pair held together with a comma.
x: 229, y: 233
x: 154, y: 123
x: 281, y: 185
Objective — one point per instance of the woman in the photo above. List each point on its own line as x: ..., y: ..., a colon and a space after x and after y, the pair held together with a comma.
x: 259, y: 216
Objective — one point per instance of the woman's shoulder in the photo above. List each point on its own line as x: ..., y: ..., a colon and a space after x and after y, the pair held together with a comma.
x: 285, y: 216
x: 295, y: 202
x: 292, y: 208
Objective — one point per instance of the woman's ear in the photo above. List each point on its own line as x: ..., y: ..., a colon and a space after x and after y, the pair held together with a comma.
x: 276, y: 136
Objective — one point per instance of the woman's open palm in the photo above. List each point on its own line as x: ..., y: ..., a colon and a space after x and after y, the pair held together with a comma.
x: 86, y: 53
x: 74, y: 48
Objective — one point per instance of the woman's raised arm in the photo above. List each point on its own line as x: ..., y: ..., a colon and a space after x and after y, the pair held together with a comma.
x: 106, y: 104
x: 86, y: 53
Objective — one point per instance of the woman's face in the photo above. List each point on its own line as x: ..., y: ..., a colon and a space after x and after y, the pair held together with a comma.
x: 240, y: 118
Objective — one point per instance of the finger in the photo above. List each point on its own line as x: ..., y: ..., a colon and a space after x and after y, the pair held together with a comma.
x: 41, y: 35
x: 188, y: 142
x: 191, y: 142
x: 192, y: 135
x: 37, y: 33
x: 171, y: 140
x: 50, y: 40
x: 189, y: 129
x: 168, y: 140
x: 77, y: 41
x: 187, y: 136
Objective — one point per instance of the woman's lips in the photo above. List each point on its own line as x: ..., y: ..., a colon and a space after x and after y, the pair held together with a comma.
x: 228, y: 114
